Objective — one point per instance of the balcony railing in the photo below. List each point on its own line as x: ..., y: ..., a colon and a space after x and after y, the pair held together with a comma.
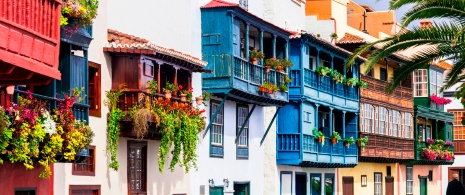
x: 436, y: 107
x: 308, y: 145
x: 419, y: 145
x: 30, y: 38
x: 385, y: 148
x: 80, y: 111
x: 233, y: 72
x: 379, y: 86
x: 328, y: 85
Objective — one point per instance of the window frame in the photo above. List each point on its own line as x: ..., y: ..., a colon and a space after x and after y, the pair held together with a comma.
x: 437, y: 83
x: 384, y: 120
x: 407, y: 180
x: 85, y: 187
x: 394, y: 123
x: 220, y: 146
x: 419, y: 74
x: 375, y: 183
x: 142, y: 145
x: 86, y: 173
x: 97, y: 112
x: 407, y: 124
x: 381, y: 70
x: 245, y: 131
x: 458, y: 128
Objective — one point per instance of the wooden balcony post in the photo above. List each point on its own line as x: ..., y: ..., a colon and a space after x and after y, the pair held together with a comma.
x: 287, y: 49
x: 344, y: 123
x: 330, y: 121
x: 436, y: 129
x: 332, y: 69
x: 316, y: 115
x: 175, y: 80
x: 158, y: 78
x: 261, y: 44
x: 246, y: 42
x: 274, y: 46
x: 317, y: 57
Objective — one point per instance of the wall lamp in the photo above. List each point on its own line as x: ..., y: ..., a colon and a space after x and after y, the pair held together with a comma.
x: 211, y: 183
x: 226, y: 182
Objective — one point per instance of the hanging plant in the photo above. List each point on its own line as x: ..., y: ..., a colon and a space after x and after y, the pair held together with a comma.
x: 84, y: 11
x: 338, y: 77
x: 362, y: 84
x: 350, y: 82
x: 361, y: 142
x: 116, y: 114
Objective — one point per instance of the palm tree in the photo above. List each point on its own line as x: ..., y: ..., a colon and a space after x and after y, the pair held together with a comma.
x: 442, y: 41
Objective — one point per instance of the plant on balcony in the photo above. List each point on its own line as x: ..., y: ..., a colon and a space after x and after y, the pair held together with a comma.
x: 186, y: 95
x: 256, y: 55
x: 286, y: 79
x: 336, y: 76
x: 445, y: 155
x: 318, y: 135
x: 323, y: 70
x: 283, y: 88
x: 169, y: 89
x: 152, y: 87
x: 335, y: 137
x: 428, y: 154
x: 83, y: 11
x: 429, y: 141
x: 30, y: 133
x: 142, y: 116
x: 362, y: 84
x: 116, y: 114
x: 440, y: 101
x: 271, y: 63
x: 361, y: 142
x: 447, y: 144
x: 264, y: 87
x: 350, y: 82
x: 286, y: 63
x: 273, y: 88
x: 348, y: 141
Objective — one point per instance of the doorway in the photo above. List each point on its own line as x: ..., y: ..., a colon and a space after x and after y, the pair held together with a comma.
x: 241, y: 188
x: 216, y: 191
x: 348, y: 185
x: 300, y: 183
x: 389, y: 185
x: 423, y: 186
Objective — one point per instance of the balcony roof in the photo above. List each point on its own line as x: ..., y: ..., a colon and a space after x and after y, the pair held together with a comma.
x: 119, y: 42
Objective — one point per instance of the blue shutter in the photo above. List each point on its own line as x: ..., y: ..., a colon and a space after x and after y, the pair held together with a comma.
x: 236, y: 38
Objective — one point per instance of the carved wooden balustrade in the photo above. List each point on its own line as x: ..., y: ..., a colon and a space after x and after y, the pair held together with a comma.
x: 401, y: 98
x: 385, y: 148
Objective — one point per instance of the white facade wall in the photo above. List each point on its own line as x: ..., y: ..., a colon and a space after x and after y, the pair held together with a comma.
x: 289, y: 15
x: 235, y: 170
x: 324, y: 28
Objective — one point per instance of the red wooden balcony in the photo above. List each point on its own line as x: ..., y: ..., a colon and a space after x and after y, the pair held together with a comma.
x: 383, y: 148
x: 29, y: 41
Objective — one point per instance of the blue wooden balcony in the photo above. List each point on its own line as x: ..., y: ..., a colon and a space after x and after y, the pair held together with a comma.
x: 324, y: 90
x: 304, y: 150
x: 241, y: 80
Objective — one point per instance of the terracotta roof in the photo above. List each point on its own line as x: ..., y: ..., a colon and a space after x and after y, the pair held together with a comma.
x: 350, y: 38
x: 220, y: 4
x: 443, y: 65
x: 122, y: 41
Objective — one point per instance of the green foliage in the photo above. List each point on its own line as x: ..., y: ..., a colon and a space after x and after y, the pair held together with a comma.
x: 272, y: 62
x: 152, y: 86
x: 362, y: 84
x: 323, y: 70
x: 283, y: 88
x: 287, y: 80
x: 350, y: 81
x: 286, y: 63
x: 316, y: 185
x: 336, y: 136
x: 363, y: 141
x: 206, y: 96
x: 83, y: 10
x: 348, y: 140
x: 338, y: 77
x: 116, y: 114
x: 318, y: 134
x: 254, y: 53
x: 171, y: 87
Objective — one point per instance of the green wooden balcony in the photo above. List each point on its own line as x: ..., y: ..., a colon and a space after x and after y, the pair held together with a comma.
x: 241, y: 80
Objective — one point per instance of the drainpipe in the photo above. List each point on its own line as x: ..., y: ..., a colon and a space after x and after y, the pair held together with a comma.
x: 335, y: 29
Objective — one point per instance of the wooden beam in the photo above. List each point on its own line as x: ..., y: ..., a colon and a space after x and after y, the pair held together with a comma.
x: 245, y: 122
x: 269, y: 126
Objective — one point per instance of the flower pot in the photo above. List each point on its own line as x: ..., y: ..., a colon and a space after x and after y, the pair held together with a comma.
x: 359, y: 143
x: 254, y: 60
x: 168, y: 94
x: 262, y: 89
x: 346, y: 144
x: 198, y: 100
x: 267, y: 68
x: 333, y: 140
x: 183, y: 97
x: 279, y: 67
x: 320, y: 139
x: 270, y: 91
x: 10, y: 89
x: 147, y: 90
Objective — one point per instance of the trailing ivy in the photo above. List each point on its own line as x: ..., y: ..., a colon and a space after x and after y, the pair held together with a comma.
x: 116, y: 115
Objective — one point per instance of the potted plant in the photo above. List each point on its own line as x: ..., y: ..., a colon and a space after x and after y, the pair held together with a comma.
x: 286, y: 63
x: 152, y: 87
x: 348, y: 141
x: 205, y: 96
x: 185, y: 95
x: 428, y: 154
x: 256, y: 55
x: 264, y: 87
x: 350, y: 82
x: 318, y: 135
x: 169, y: 89
x: 333, y: 36
x: 271, y: 63
x: 283, y: 88
x: 273, y: 88
x: 429, y: 141
x: 323, y: 70
x: 362, y: 84
x: 335, y: 137
x: 287, y: 80
x: 361, y: 142
x: 79, y: 12
x: 338, y: 77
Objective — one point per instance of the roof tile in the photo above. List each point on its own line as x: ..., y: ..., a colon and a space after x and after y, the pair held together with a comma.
x: 350, y: 38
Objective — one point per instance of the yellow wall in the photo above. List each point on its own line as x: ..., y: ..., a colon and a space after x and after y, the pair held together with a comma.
x: 376, y: 70
x: 368, y: 169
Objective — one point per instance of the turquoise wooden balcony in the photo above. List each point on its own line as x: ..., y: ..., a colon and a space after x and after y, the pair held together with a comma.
x: 241, y: 80
x: 304, y: 150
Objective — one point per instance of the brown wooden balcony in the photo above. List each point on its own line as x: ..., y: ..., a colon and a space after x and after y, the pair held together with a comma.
x: 383, y: 148
x: 29, y: 41
x: 375, y: 93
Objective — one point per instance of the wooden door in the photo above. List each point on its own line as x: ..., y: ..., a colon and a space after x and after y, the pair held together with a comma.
x: 348, y: 185
x: 216, y: 191
x: 389, y: 186
x: 300, y: 184
x: 423, y: 186
x: 451, y: 172
x: 241, y: 189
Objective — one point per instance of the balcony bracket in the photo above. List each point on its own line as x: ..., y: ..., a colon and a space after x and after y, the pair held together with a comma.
x: 269, y: 126
x: 216, y: 113
x: 245, y: 122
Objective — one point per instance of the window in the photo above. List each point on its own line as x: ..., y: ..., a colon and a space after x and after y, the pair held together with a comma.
x: 407, y: 125
x: 84, y: 190
x: 382, y: 74
x: 367, y: 112
x: 394, y: 122
x: 86, y: 167
x: 421, y: 133
x: 217, y: 130
x: 316, y: 183
x: 307, y: 117
x: 137, y: 167
x: 25, y: 191
x: 436, y: 82
x: 420, y: 82
x: 148, y: 68
x: 329, y: 183
x: 376, y: 120
x: 94, y: 90
x: 409, y: 180
x: 243, y: 141
x: 383, y: 120
x: 428, y: 132
x: 241, y: 188
x: 459, y: 128
x: 378, y: 183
